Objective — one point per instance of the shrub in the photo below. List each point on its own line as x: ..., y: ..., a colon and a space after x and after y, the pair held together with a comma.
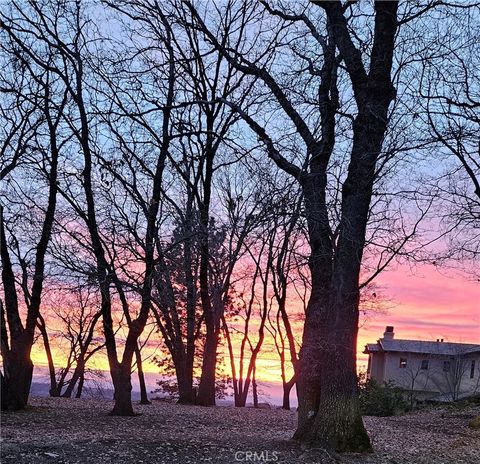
x: 381, y: 400
x: 475, y: 423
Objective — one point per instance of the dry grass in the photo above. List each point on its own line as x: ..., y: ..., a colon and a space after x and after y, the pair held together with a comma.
x: 55, y: 430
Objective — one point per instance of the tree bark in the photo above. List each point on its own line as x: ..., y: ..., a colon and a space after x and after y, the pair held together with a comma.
x: 329, y: 413
x: 287, y: 388
x: 184, y: 373
x: 77, y: 374
x: 16, y: 368
x: 122, y: 384
x: 17, y: 378
x: 206, y: 389
x: 254, y: 388
x: 54, y: 387
x: 141, y: 378
x: 81, y: 382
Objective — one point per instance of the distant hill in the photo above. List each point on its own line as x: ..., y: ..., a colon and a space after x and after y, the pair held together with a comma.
x: 42, y: 389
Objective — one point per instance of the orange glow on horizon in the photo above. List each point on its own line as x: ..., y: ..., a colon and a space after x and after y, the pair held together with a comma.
x: 426, y: 307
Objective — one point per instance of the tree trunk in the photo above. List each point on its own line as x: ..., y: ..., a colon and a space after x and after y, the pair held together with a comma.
x: 184, y: 373
x: 54, y: 387
x: 187, y: 394
x: 329, y: 413
x: 3, y: 393
x: 141, y: 378
x: 17, y: 379
x: 338, y: 422
x: 17, y: 365
x: 254, y: 389
x: 239, y: 400
x: 287, y: 388
x: 122, y: 383
x: 77, y: 374
x: 206, y: 389
x: 81, y: 382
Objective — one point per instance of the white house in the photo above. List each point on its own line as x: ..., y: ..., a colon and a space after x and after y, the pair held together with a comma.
x: 428, y: 370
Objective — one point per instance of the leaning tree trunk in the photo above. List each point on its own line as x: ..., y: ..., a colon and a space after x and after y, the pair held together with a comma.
x: 77, y: 374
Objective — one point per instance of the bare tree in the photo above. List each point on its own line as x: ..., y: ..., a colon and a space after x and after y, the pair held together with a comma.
x: 284, y: 274
x: 457, y: 370
x: 451, y: 104
x: 80, y: 319
x: 249, y: 303
x: 36, y: 148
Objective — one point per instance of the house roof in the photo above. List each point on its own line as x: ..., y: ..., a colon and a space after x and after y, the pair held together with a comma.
x: 422, y: 347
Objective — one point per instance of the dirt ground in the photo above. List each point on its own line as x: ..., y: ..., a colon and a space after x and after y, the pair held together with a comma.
x: 56, y: 430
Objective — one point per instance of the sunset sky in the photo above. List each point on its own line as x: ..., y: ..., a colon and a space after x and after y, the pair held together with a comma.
x: 427, y: 305
x: 423, y: 304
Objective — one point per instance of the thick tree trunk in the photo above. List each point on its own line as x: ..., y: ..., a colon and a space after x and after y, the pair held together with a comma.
x: 329, y: 413
x: 17, y: 365
x: 239, y: 401
x: 309, y: 368
x: 337, y: 422
x: 206, y: 389
x: 3, y: 393
x: 122, y: 383
x: 184, y: 373
x: 17, y: 380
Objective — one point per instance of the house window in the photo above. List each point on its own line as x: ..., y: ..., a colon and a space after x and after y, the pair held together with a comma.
x: 424, y: 366
x: 403, y: 363
x: 472, y: 369
x: 446, y: 366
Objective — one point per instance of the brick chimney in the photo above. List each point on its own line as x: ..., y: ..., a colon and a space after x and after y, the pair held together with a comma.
x: 389, y: 333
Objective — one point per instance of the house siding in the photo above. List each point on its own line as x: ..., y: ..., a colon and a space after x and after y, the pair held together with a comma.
x: 434, y: 382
